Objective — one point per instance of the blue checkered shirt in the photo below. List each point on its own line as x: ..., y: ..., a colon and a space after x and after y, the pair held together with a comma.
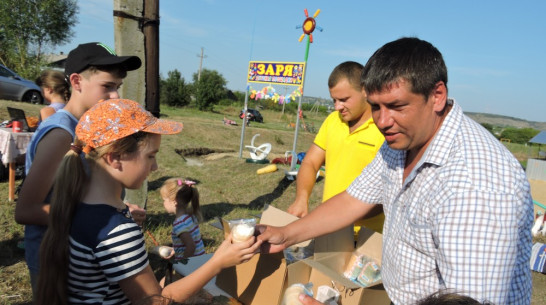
x: 460, y: 221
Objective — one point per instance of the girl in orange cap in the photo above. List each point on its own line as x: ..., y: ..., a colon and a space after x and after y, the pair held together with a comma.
x: 93, y: 252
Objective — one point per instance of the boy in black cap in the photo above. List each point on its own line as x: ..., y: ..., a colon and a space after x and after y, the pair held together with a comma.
x: 94, y: 72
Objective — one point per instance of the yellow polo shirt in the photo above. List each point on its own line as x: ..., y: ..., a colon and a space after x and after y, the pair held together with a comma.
x: 346, y: 156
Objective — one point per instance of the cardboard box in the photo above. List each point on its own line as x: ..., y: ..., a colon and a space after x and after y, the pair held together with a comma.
x: 264, y: 278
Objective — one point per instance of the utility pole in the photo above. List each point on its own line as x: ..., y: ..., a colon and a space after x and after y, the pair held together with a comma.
x: 136, y: 32
x: 284, y: 100
x: 200, y: 64
x: 129, y: 40
x: 150, y: 27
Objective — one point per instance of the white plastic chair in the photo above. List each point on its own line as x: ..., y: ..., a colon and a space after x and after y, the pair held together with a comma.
x: 260, y: 152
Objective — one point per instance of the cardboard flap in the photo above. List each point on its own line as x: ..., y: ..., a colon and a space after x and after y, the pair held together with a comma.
x: 274, y: 217
x: 258, y: 281
x: 370, y: 243
x: 332, y: 274
x: 341, y: 241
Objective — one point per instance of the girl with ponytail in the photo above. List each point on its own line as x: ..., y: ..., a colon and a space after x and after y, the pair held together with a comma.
x: 181, y: 198
x: 93, y: 252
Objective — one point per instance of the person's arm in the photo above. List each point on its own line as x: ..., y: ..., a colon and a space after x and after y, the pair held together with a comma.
x: 144, y: 283
x: 46, y: 112
x: 140, y: 285
x: 307, y: 176
x: 335, y: 213
x: 30, y: 207
x: 189, y: 244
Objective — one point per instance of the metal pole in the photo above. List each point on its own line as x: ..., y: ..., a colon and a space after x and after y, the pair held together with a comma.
x: 244, y: 124
x: 294, y: 153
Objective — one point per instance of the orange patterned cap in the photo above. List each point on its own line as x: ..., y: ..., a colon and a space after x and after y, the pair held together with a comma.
x: 111, y: 120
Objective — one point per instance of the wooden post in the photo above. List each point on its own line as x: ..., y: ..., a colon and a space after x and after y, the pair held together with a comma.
x: 150, y: 28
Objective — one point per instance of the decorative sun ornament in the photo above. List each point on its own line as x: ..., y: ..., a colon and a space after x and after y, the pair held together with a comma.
x: 309, y: 25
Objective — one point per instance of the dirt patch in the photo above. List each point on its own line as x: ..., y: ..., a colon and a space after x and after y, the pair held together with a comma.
x: 200, y: 151
x: 192, y: 156
x: 218, y: 156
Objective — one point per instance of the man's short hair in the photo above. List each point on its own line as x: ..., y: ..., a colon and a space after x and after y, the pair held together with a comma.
x: 349, y: 70
x: 412, y: 59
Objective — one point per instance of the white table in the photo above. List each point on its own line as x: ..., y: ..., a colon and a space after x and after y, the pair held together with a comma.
x: 12, y: 145
x: 192, y: 265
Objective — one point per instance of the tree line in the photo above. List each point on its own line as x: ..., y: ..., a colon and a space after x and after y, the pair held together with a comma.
x: 211, y: 90
x: 512, y: 134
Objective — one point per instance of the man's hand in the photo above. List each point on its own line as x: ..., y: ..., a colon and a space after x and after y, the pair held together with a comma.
x: 138, y: 213
x: 298, y: 209
x: 272, y: 237
x: 306, y: 179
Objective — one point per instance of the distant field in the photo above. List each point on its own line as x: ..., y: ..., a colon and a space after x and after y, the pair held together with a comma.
x: 505, y: 121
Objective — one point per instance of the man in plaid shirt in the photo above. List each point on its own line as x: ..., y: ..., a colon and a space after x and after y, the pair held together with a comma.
x: 457, y: 203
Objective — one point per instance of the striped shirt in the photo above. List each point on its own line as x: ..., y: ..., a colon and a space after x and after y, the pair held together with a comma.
x: 460, y: 221
x: 106, y: 246
x: 189, y: 224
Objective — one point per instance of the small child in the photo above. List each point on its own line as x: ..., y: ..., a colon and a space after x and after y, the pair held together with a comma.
x: 177, y: 194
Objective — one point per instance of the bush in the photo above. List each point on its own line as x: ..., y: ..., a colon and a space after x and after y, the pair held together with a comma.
x: 519, y: 135
x: 174, y: 90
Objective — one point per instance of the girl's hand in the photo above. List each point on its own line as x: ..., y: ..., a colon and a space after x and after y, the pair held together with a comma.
x: 163, y: 251
x: 138, y: 213
x: 231, y: 254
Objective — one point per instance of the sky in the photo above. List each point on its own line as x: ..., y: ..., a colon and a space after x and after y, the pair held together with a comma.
x: 495, y: 51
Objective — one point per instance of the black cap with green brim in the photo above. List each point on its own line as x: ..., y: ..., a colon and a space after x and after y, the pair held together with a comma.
x: 97, y: 54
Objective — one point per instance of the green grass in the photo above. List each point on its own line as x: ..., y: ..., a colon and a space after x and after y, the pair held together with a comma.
x: 229, y: 187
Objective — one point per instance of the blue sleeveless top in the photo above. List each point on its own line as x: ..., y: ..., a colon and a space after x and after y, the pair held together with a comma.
x: 34, y: 233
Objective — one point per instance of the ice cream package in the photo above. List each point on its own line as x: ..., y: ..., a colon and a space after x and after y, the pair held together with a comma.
x: 242, y: 229
x: 363, y: 270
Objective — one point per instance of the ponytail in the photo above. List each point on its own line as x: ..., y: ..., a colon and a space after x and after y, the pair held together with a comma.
x: 195, y: 207
x: 55, y: 81
x: 54, y: 251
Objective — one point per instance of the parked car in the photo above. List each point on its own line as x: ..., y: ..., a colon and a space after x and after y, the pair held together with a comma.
x: 14, y: 87
x: 253, y: 115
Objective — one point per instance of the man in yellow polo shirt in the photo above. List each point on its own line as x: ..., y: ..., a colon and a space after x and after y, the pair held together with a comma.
x: 346, y: 142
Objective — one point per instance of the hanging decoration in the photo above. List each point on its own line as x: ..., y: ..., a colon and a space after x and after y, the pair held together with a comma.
x: 269, y: 93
